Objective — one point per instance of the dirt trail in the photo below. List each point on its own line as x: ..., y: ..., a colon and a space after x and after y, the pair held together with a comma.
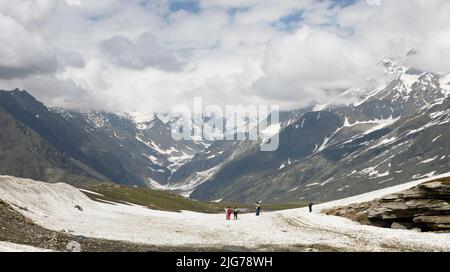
x: 361, y: 240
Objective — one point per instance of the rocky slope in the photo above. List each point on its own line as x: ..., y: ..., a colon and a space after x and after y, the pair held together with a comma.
x: 423, y: 208
x: 23, y: 152
x: 101, y: 146
x: 112, y: 147
x: 147, y: 149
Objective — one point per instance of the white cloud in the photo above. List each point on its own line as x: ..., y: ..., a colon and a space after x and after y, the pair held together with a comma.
x: 135, y: 55
x: 302, y: 66
x: 23, y: 52
x: 146, y: 52
x: 72, y: 58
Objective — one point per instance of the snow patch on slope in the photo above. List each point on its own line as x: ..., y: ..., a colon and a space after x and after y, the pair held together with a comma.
x: 10, y: 247
x: 52, y: 206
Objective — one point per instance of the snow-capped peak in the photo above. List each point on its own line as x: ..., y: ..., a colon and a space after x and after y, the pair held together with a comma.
x: 140, y: 117
x: 391, y: 65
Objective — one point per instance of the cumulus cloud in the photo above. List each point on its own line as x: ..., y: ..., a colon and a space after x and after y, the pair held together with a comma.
x: 53, y: 91
x: 145, y: 52
x: 23, y: 52
x: 72, y: 59
x: 148, y: 56
x: 59, y: 92
x: 304, y: 65
x: 28, y: 13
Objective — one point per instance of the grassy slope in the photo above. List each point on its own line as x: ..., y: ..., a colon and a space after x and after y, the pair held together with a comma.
x: 153, y: 199
x: 167, y: 201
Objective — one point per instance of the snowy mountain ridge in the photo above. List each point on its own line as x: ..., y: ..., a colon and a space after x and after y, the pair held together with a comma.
x: 359, y: 136
x: 138, y: 150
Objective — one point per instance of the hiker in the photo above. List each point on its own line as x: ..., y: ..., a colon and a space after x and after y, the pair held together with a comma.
x: 235, y: 213
x: 228, y: 213
x: 258, y: 208
x: 310, y: 207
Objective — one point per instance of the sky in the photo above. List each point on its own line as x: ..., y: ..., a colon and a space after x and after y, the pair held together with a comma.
x: 148, y: 55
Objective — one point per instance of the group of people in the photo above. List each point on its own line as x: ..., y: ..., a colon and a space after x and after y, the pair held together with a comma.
x: 235, y: 212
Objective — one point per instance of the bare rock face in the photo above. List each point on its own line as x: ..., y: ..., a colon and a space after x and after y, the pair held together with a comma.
x: 408, y: 208
x: 432, y: 219
x: 440, y: 223
x: 425, y: 208
x: 405, y: 226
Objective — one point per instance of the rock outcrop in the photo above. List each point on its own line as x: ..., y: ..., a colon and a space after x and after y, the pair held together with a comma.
x: 425, y: 208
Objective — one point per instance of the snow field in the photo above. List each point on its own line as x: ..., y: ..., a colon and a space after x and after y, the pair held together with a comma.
x: 53, y: 206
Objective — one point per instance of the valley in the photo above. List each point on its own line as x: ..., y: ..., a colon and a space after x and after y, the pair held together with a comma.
x: 397, y: 130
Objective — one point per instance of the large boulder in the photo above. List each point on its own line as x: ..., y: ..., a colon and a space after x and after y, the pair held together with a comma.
x: 401, y: 225
x: 425, y: 207
x: 409, y: 208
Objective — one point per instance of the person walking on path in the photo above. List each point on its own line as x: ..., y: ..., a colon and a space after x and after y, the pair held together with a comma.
x: 258, y: 208
x: 235, y: 213
x: 310, y: 207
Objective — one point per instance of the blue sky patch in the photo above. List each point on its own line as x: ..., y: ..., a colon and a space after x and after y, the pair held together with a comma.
x: 233, y: 11
x: 344, y: 3
x: 289, y: 22
x: 186, y: 5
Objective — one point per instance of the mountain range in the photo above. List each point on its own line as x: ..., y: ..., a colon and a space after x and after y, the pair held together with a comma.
x: 390, y: 133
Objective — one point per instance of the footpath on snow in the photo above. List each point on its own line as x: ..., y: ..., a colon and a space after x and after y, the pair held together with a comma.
x: 57, y: 207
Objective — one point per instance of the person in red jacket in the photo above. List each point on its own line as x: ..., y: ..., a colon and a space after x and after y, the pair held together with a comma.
x: 228, y: 213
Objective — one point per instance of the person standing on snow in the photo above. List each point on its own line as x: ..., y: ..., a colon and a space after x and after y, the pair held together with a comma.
x: 228, y: 213
x: 235, y: 213
x: 310, y: 207
x: 258, y: 208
